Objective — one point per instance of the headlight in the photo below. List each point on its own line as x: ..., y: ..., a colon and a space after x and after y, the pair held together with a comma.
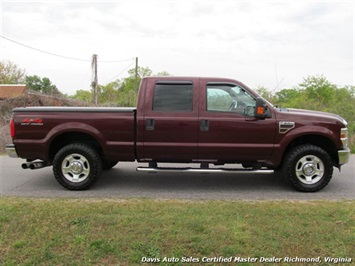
x: 344, y: 135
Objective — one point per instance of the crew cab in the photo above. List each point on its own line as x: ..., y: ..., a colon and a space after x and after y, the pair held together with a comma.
x: 183, y: 120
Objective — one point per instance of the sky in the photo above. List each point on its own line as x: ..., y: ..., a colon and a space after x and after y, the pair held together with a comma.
x: 274, y: 44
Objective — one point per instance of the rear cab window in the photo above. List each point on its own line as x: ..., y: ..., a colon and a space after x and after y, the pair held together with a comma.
x: 173, y: 96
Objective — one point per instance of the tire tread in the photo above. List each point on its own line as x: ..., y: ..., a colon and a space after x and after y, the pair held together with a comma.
x: 96, y: 166
x: 292, y: 157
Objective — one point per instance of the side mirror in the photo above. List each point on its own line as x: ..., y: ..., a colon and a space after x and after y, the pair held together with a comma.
x: 260, y: 108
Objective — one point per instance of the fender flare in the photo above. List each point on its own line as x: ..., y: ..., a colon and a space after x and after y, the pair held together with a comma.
x: 73, y: 127
x: 299, y: 132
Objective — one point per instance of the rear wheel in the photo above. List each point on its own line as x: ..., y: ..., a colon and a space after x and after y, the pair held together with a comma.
x: 77, y: 166
x: 308, y: 168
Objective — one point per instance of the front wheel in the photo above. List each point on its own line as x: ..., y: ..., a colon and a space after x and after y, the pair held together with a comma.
x: 77, y: 166
x: 308, y: 168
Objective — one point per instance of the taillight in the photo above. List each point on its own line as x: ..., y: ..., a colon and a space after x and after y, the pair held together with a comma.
x: 12, y: 128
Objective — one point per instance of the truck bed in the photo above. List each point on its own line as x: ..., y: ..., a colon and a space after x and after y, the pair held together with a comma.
x: 40, y: 129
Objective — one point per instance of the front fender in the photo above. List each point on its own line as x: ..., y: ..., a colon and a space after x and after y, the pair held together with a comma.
x: 285, y: 140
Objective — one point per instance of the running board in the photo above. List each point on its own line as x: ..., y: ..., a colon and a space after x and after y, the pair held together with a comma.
x: 203, y: 170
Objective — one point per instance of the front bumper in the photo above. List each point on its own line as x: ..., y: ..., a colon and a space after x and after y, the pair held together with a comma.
x: 11, y: 150
x: 343, y: 156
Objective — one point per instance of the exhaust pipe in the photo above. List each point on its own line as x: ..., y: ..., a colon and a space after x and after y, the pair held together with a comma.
x: 25, y: 165
x: 39, y: 165
x: 35, y: 165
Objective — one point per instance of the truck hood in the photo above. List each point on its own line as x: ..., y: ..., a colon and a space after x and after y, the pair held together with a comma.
x: 314, y: 115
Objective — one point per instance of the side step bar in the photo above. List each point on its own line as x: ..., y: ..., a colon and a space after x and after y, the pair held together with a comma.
x: 203, y: 170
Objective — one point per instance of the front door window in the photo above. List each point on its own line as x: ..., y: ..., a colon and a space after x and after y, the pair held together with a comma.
x: 224, y: 98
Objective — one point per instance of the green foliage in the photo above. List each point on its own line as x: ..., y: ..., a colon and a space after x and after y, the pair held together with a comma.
x: 83, y: 95
x: 318, y: 87
x: 141, y: 71
x: 265, y: 93
x: 42, y: 85
x: 288, y: 97
x: 10, y: 73
x: 109, y: 93
x: 163, y: 74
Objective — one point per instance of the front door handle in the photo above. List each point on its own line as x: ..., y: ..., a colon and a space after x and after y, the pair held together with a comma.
x: 150, y: 123
x: 204, y: 125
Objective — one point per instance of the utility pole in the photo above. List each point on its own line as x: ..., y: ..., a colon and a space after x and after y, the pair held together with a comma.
x: 94, y: 77
x: 136, y: 76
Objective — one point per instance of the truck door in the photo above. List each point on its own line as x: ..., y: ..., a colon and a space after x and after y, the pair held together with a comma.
x: 229, y: 132
x: 171, y: 120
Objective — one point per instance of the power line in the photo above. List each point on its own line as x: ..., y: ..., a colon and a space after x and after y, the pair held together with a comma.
x: 120, y: 73
x: 63, y: 56
x: 39, y: 50
x: 116, y: 61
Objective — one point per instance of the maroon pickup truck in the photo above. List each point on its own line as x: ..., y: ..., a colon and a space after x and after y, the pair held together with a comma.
x: 209, y: 121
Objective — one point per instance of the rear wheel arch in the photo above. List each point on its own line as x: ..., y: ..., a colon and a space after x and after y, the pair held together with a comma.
x: 67, y: 138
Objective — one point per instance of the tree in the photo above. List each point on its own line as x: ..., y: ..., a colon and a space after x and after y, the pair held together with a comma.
x: 83, y: 95
x: 142, y: 72
x: 288, y: 98
x: 42, y: 85
x: 343, y: 103
x: 314, y: 93
x: 265, y: 93
x: 320, y: 89
x: 10, y: 73
x: 163, y: 74
x: 127, y: 94
x: 109, y: 93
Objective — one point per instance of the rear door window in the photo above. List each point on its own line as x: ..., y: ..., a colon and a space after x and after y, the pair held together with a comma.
x: 173, y: 97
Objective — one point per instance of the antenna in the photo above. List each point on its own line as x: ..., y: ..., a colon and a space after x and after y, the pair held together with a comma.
x: 277, y: 81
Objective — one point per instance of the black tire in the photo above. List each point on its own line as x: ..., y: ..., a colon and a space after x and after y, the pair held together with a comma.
x: 77, y: 166
x: 308, y: 168
x: 107, y: 165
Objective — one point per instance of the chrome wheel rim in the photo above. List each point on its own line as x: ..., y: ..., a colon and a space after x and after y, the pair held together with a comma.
x: 309, y: 169
x: 75, y: 168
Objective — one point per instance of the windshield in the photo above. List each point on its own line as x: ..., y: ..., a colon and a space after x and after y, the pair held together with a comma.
x: 243, y: 96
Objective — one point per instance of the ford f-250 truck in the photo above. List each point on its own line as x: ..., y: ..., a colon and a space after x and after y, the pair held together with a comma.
x: 183, y: 120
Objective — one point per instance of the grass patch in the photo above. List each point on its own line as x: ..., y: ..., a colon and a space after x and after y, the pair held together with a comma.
x: 104, y: 232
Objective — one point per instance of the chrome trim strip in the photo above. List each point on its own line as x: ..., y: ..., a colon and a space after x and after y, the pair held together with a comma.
x: 76, y: 109
x: 203, y: 171
x: 286, y: 126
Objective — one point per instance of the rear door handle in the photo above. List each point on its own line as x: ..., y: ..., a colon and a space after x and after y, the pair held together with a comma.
x: 150, y: 123
x: 204, y: 125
